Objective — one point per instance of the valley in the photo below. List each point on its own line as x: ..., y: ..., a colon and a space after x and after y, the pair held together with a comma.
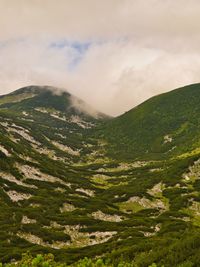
x: 75, y: 182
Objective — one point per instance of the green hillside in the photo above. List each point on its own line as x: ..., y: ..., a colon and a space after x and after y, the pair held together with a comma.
x: 77, y: 183
x: 164, y: 126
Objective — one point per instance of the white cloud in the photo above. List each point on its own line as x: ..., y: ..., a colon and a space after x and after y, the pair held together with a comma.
x: 137, y: 48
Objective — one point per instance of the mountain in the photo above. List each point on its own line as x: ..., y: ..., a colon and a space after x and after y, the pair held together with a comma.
x: 33, y: 97
x: 164, y: 126
x: 76, y: 183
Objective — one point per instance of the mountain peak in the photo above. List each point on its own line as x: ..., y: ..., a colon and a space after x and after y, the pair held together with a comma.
x: 49, y: 97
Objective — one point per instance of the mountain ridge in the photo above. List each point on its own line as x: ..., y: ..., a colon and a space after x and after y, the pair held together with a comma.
x: 171, y: 112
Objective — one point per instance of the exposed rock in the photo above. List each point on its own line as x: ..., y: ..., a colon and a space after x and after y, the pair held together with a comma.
x: 57, y: 115
x: 156, y: 170
x: 59, y: 189
x: 25, y: 113
x: 30, y: 172
x: 78, y: 239
x: 67, y: 208
x: 83, y: 124
x: 40, y: 109
x: 156, y: 189
x: 26, y: 220
x: 9, y: 177
x: 167, y: 139
x: 38, y: 241
x: 16, y: 196
x: 67, y: 149
x: 88, y: 192
x: 99, y: 215
x: 83, y: 239
x: 193, y: 172
x: 20, y: 131
x: 5, y: 151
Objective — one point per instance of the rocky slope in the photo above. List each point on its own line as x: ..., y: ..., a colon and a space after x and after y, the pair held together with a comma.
x: 78, y: 183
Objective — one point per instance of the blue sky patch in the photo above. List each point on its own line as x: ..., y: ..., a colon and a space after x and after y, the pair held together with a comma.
x: 80, y: 47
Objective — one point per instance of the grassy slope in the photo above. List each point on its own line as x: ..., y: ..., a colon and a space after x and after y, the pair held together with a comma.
x: 141, y: 131
x: 124, y: 138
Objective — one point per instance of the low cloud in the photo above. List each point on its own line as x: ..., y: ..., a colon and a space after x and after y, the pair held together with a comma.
x: 113, y: 54
x: 83, y: 107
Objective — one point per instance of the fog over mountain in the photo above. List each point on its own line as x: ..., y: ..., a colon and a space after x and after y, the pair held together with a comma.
x: 113, y: 54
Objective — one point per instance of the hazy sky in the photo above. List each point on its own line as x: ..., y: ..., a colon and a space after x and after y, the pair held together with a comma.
x: 112, y: 53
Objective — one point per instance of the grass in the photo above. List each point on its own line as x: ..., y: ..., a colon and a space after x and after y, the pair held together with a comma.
x: 130, y: 207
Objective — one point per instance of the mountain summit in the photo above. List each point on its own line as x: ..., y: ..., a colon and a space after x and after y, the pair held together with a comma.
x: 48, y: 97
